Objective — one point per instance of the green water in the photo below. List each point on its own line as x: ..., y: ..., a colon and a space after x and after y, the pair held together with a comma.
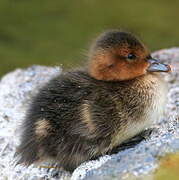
x: 55, y: 32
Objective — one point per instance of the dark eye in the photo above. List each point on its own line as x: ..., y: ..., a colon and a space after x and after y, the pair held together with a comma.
x: 131, y: 57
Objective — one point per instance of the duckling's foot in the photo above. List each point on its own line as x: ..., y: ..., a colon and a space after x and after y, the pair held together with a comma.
x: 50, y: 168
x: 146, y: 133
x: 130, y: 143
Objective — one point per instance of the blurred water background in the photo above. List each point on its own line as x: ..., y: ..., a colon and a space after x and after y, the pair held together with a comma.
x: 58, y: 32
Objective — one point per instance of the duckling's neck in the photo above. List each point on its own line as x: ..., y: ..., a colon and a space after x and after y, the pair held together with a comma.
x: 149, y: 84
x: 145, y: 86
x: 155, y: 89
x: 143, y: 102
x: 150, y: 90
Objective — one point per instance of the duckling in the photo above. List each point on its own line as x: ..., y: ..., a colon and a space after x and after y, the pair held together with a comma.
x: 85, y: 113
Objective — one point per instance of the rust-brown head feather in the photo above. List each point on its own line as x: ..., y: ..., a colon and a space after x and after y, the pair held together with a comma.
x: 118, y: 56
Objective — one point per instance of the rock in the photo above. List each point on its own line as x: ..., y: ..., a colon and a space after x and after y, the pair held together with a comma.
x: 16, y: 90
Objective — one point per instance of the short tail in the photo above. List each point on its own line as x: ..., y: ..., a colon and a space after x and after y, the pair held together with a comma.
x: 26, y: 154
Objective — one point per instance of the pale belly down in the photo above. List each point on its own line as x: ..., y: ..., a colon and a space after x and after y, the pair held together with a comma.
x: 151, y: 115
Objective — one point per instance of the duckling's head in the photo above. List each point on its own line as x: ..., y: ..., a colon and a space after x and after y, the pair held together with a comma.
x: 118, y: 56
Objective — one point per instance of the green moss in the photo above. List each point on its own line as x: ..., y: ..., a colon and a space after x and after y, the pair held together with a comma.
x: 169, y: 168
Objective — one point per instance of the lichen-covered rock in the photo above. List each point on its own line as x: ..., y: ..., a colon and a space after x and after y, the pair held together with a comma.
x: 16, y: 90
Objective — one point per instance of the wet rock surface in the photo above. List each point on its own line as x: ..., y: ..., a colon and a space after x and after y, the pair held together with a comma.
x: 16, y: 90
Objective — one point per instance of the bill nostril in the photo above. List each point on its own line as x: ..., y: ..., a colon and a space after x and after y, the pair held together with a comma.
x: 152, y: 61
